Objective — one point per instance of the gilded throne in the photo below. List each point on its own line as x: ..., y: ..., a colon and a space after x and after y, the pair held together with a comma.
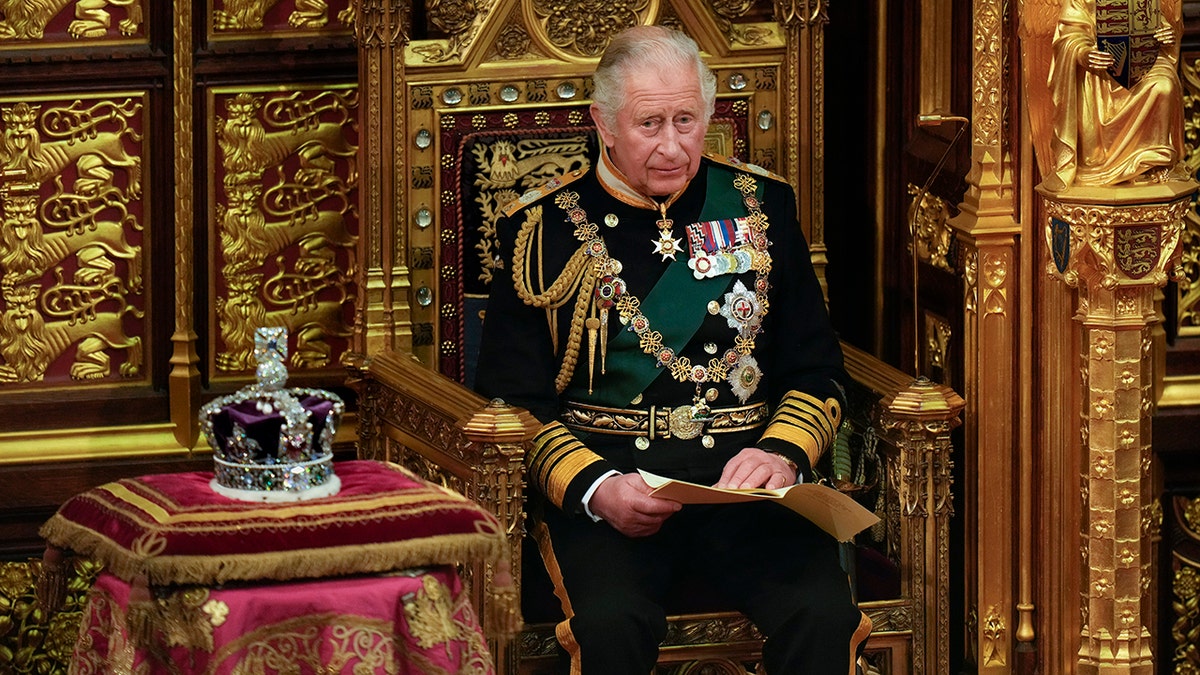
x: 486, y: 105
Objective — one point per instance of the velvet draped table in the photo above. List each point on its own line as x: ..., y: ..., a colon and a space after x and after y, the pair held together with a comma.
x: 360, y: 582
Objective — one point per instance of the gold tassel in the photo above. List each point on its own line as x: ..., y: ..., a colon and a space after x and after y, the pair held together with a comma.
x: 52, y: 580
x: 503, y: 617
x: 141, y: 612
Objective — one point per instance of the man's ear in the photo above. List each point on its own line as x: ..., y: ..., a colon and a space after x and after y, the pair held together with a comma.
x: 606, y: 135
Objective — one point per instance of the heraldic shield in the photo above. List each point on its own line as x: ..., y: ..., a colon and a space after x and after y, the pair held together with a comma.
x: 1125, y: 29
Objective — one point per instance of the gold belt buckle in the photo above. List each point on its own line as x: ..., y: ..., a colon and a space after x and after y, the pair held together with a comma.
x: 682, y: 425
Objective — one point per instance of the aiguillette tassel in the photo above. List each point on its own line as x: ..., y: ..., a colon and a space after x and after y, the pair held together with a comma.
x: 603, y: 339
x: 592, y: 324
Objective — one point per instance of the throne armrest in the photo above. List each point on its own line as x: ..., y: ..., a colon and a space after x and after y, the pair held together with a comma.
x: 448, y: 434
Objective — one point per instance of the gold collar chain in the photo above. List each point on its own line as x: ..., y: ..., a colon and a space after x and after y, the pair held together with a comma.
x: 611, y: 291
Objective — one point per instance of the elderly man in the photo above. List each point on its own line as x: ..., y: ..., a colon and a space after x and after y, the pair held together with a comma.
x: 662, y: 314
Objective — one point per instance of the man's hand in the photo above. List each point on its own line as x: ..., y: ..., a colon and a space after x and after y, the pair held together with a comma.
x: 624, y: 501
x: 753, y: 468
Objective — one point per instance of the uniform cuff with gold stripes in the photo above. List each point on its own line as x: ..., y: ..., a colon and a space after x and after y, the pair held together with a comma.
x: 805, y: 422
x: 562, y: 468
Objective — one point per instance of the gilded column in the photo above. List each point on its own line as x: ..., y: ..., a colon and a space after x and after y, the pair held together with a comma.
x: 184, y: 380
x: 988, y: 228
x: 1115, y: 245
x: 804, y: 78
x: 918, y: 421
x: 383, y: 316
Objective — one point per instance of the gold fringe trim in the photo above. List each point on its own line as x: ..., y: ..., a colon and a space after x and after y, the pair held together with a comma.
x: 278, y: 565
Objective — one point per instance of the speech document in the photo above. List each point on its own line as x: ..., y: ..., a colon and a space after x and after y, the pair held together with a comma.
x: 828, y: 509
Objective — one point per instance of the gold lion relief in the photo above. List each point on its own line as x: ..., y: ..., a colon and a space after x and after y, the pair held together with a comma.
x: 286, y: 222
x: 248, y: 15
x: 71, y: 263
x: 27, y: 19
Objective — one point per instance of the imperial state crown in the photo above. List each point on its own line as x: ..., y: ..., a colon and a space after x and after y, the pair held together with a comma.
x: 270, y: 443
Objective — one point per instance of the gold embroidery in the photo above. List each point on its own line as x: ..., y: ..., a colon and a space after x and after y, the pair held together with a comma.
x: 806, y: 422
x: 557, y: 457
x: 104, y: 625
x: 349, y: 644
x: 430, y: 615
x: 183, y: 619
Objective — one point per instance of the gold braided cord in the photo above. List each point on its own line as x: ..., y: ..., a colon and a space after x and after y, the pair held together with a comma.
x: 555, y: 296
x: 583, y: 302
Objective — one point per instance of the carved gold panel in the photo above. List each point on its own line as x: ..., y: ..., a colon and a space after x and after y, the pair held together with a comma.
x: 247, y: 19
x: 574, y: 35
x: 70, y: 24
x: 936, y: 357
x: 283, y: 222
x: 932, y: 234
x: 1187, y: 313
x: 1184, y: 616
x: 74, y: 309
x: 1187, y: 282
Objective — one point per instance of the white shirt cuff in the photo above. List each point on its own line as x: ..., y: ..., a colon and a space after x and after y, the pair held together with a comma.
x: 587, y: 496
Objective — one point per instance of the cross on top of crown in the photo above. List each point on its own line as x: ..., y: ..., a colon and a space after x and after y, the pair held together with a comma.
x: 270, y: 352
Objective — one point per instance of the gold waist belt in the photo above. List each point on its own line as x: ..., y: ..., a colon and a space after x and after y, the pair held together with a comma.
x: 662, y: 422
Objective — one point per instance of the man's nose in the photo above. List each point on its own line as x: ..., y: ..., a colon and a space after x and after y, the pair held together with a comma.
x: 670, y: 144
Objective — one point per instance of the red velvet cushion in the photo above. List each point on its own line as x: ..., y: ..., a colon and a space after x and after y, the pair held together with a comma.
x: 174, y: 529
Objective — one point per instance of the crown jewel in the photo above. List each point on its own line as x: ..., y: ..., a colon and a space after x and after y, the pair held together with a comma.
x: 271, y: 443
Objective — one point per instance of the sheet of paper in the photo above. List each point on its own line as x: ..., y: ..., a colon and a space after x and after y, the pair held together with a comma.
x: 832, y: 511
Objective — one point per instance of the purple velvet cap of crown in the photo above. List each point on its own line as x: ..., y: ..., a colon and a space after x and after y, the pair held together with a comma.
x: 270, y: 443
x: 263, y: 429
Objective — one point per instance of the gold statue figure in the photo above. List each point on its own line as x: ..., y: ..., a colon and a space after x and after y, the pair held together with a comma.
x: 1112, y: 109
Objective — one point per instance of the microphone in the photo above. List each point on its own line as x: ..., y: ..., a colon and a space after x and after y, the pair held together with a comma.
x: 935, y: 119
x: 927, y: 120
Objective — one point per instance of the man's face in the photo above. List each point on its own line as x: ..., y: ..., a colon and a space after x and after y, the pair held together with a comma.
x: 658, y: 136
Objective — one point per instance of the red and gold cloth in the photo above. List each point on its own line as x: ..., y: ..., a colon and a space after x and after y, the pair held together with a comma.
x: 173, y: 529
x: 403, y: 624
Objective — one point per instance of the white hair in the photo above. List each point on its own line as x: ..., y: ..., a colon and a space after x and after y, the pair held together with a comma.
x: 650, y: 47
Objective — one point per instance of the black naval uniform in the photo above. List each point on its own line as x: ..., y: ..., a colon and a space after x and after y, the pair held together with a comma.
x: 570, y: 249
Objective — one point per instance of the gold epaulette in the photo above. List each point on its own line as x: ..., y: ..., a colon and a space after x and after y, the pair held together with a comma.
x: 534, y: 194
x: 735, y: 163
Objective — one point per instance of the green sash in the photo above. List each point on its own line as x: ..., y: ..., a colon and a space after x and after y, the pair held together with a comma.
x: 676, y: 306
